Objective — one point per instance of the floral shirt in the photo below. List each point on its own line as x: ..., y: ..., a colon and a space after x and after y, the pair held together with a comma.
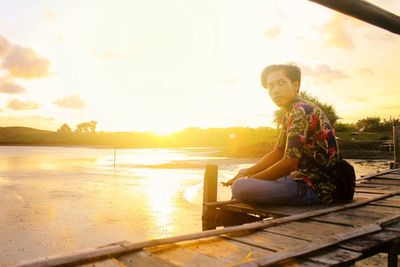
x: 307, y: 135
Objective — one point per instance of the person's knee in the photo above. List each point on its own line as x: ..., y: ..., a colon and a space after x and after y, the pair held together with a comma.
x: 239, y: 189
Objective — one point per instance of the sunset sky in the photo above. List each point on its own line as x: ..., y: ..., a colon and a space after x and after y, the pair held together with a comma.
x: 164, y: 65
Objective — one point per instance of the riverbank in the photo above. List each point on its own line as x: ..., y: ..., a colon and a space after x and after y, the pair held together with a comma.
x: 232, y: 142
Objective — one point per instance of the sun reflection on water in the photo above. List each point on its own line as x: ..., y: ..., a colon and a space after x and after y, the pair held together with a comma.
x: 162, y: 190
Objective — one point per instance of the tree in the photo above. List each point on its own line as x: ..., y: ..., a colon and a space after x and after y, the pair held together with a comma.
x: 328, y: 109
x: 86, y: 127
x: 64, y: 129
x: 369, y: 123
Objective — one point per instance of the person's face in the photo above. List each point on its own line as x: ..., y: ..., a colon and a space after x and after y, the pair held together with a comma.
x: 280, y: 88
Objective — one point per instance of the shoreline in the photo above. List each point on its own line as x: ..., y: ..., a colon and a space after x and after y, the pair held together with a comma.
x: 348, y: 153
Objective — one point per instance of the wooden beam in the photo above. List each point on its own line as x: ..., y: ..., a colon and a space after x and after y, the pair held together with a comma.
x: 365, y: 11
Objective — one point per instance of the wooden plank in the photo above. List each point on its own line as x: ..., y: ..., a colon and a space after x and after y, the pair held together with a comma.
x: 270, y: 241
x: 273, y: 210
x: 228, y: 251
x: 323, y: 243
x: 389, y: 176
x: 390, y: 202
x: 378, y: 181
x: 298, y: 262
x: 181, y: 256
x: 393, y: 227
x: 110, y: 262
x: 143, y: 259
x: 334, y: 256
x: 308, y: 230
x: 357, y: 216
x: 373, y: 243
x: 367, y: 176
x: 247, y: 208
x: 364, y: 195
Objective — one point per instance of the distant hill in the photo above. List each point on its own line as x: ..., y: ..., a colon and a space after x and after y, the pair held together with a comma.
x: 23, y: 135
x: 17, y: 130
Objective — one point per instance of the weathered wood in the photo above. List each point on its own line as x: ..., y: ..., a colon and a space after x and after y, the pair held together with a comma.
x: 365, y: 11
x: 357, y: 216
x: 143, y: 259
x: 110, y: 262
x: 229, y: 251
x: 209, y: 195
x: 181, y: 256
x: 334, y: 257
x: 298, y: 262
x: 372, y: 243
x: 381, y: 181
x: 220, y: 203
x: 389, y: 176
x: 313, y: 246
x: 307, y: 229
x: 390, y: 202
x: 270, y: 241
x: 229, y: 218
x: 275, y: 210
x: 366, y: 177
x: 114, y: 250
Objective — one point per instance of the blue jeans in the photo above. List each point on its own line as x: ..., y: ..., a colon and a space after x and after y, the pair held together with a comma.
x: 285, y: 190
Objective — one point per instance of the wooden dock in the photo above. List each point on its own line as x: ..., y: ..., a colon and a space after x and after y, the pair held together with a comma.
x: 322, y: 235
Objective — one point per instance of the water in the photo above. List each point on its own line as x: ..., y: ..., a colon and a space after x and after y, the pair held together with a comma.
x: 60, y: 199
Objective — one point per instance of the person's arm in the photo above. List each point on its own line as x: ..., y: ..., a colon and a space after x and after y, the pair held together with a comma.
x: 268, y: 160
x: 265, y: 162
x: 280, y: 169
x: 295, y: 139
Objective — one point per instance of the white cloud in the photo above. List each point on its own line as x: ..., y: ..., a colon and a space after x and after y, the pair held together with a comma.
x: 23, y: 62
x: 73, y: 101
x: 11, y: 88
x: 17, y: 104
x: 323, y: 74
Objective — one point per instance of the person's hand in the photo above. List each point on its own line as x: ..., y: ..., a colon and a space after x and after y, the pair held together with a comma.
x: 240, y: 174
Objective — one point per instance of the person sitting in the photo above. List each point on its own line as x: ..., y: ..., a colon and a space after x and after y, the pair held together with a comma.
x: 294, y: 172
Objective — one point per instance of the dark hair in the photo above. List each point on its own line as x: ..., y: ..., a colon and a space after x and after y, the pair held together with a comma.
x: 292, y: 71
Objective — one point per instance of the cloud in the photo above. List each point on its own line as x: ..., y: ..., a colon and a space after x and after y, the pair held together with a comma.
x: 73, y: 101
x: 16, y: 104
x: 22, y: 62
x: 366, y: 71
x: 11, y: 88
x: 5, y: 47
x: 324, y: 74
x: 337, y: 35
x: 273, y: 32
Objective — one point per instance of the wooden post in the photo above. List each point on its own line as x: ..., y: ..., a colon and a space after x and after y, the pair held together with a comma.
x: 209, y: 195
x: 396, y: 147
x: 393, y: 253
